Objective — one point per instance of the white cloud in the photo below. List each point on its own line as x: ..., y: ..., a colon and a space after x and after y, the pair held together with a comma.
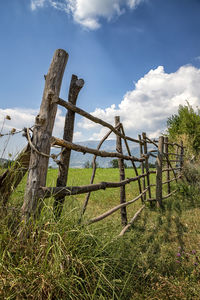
x: 155, y: 97
x: 89, y: 12
x: 37, y: 3
x: 77, y: 136
x: 21, y: 118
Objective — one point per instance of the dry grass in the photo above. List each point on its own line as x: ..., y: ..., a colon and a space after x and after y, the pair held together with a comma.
x: 63, y: 260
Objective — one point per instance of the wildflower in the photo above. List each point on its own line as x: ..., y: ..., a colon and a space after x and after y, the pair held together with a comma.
x: 195, y: 264
x: 178, y: 254
x: 193, y: 252
x: 178, y: 261
x: 8, y: 117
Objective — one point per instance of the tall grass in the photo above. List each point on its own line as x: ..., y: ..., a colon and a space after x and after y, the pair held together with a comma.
x: 157, y: 259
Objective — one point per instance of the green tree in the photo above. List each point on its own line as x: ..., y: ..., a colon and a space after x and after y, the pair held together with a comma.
x: 89, y: 164
x: 114, y: 164
x: 185, y: 125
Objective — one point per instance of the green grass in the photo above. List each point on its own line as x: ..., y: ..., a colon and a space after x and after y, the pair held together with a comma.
x: 64, y: 260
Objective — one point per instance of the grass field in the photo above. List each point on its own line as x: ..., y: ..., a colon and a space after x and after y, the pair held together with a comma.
x: 157, y: 259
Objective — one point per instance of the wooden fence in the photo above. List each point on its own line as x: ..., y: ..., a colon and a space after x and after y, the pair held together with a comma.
x: 169, y: 156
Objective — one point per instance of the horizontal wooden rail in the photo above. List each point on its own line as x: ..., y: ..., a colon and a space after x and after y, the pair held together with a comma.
x: 176, y: 154
x: 46, y: 192
x: 151, y: 199
x: 169, y: 195
x: 114, y: 209
x: 172, y: 179
x: 131, y: 221
x: 83, y: 149
x: 172, y: 160
x: 152, y: 172
x: 169, y: 169
x: 152, y: 185
x: 174, y: 144
x: 85, y: 114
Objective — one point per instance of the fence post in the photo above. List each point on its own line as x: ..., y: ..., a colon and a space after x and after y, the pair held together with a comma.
x: 75, y: 87
x: 166, y: 150
x: 147, y: 164
x: 122, y: 174
x: 142, y: 165
x: 159, y: 172
x: 181, y: 156
x: 41, y: 135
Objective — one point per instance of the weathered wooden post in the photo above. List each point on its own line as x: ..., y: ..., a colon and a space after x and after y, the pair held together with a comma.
x: 42, y: 133
x: 122, y: 174
x: 75, y: 87
x: 147, y: 164
x: 166, y: 150
x: 181, y: 156
x: 142, y: 165
x: 159, y: 172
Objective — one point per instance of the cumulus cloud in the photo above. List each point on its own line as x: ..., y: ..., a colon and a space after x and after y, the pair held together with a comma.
x: 88, y: 13
x: 155, y: 97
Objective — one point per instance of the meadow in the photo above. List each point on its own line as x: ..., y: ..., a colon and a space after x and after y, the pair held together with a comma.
x: 157, y: 259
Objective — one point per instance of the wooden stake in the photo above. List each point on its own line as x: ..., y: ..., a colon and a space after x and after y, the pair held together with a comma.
x: 142, y: 163
x: 41, y: 135
x: 146, y: 163
x: 181, y: 156
x: 159, y: 172
x: 122, y: 174
x: 166, y: 151
x: 75, y: 87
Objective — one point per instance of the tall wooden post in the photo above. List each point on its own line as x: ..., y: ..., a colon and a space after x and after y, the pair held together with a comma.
x: 122, y: 174
x: 166, y: 150
x: 159, y: 172
x: 181, y: 157
x: 75, y: 87
x: 147, y: 164
x: 42, y: 133
x: 142, y: 165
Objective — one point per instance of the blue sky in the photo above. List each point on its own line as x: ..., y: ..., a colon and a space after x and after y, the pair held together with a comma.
x: 139, y: 59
